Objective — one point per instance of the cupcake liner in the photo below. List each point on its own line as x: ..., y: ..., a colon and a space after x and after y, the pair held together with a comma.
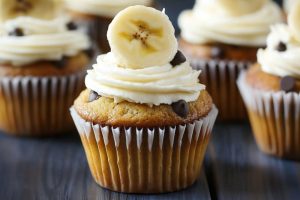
x: 220, y: 77
x: 275, y: 119
x: 145, y: 160
x: 38, y: 106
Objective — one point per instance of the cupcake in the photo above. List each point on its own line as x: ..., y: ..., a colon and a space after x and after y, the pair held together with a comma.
x: 96, y: 15
x: 271, y: 91
x: 42, y: 69
x: 144, y: 119
x: 221, y: 38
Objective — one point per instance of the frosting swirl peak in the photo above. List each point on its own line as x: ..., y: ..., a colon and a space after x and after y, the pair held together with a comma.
x: 209, y: 22
x: 154, y: 85
x: 41, y: 40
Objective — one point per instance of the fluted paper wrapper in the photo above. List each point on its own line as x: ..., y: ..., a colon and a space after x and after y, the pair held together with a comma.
x: 275, y: 119
x: 145, y: 160
x: 220, y: 78
x: 38, y: 106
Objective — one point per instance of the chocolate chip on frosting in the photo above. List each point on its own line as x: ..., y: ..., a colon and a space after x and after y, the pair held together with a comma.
x: 287, y: 84
x: 181, y: 108
x: 16, y: 32
x: 281, y: 47
x: 71, y: 26
x: 217, y: 52
x: 93, y: 96
x: 178, y: 59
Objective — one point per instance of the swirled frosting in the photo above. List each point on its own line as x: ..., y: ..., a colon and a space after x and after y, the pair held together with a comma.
x: 154, y: 85
x: 208, y: 24
x: 107, y: 8
x: 280, y: 63
x: 42, y: 40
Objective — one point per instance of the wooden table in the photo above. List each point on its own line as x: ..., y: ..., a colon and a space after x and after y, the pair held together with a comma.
x: 56, y: 168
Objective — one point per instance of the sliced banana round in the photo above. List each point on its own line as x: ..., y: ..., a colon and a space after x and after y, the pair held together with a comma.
x: 141, y: 37
x: 242, y: 7
x: 44, y: 9
x: 294, y: 21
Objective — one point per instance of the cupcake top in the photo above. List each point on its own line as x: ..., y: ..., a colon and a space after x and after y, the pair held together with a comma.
x: 235, y: 22
x: 144, y: 80
x: 25, y: 40
x: 278, y: 67
x: 105, y: 8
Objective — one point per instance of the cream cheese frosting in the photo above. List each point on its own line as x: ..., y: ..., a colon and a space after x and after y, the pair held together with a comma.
x: 280, y: 63
x: 106, y: 8
x: 153, y: 86
x: 208, y: 22
x: 42, y: 40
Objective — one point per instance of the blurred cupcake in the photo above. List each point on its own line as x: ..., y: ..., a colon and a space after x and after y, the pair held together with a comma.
x: 144, y: 119
x: 42, y: 66
x: 96, y: 15
x: 271, y: 91
x: 221, y: 38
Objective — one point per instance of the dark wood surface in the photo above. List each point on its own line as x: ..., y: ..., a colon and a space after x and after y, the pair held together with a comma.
x: 56, y: 168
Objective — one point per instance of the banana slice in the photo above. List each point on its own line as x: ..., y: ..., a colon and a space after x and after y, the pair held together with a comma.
x: 44, y: 9
x: 141, y: 36
x: 242, y: 7
x: 294, y: 21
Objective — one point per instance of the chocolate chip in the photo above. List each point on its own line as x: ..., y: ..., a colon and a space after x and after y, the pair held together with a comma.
x: 71, y: 26
x: 178, y: 59
x: 93, y: 96
x: 16, y: 32
x: 281, y: 47
x: 217, y: 52
x: 287, y: 84
x: 89, y: 52
x: 181, y: 108
x: 60, y: 63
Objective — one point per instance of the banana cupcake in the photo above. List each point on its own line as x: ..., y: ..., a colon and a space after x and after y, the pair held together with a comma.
x: 271, y: 91
x: 42, y: 69
x: 96, y: 15
x: 221, y: 38
x: 144, y: 119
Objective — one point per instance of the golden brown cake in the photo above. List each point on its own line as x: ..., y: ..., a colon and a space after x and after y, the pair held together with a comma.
x: 271, y: 91
x: 144, y: 119
x: 221, y: 38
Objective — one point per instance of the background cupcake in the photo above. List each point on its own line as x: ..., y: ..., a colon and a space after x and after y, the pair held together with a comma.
x: 221, y: 38
x: 42, y: 65
x: 96, y: 15
x: 145, y: 120
x: 271, y: 91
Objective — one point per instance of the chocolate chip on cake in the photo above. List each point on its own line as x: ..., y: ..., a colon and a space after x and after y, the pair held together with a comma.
x: 281, y: 47
x: 16, y: 32
x: 89, y: 52
x: 93, y: 96
x: 181, y: 108
x: 71, y: 26
x: 178, y: 59
x: 217, y: 52
x: 60, y: 63
x: 287, y: 84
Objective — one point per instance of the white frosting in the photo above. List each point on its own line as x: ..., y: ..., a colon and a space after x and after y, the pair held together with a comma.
x: 205, y: 24
x: 284, y: 63
x: 43, y: 40
x: 107, y: 8
x: 154, y: 85
x: 288, y: 4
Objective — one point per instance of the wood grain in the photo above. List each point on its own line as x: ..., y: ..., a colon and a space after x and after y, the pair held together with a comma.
x: 236, y: 169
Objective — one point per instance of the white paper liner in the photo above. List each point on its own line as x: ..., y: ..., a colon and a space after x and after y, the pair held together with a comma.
x: 145, y: 160
x: 38, y: 106
x: 220, y: 77
x: 275, y: 119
